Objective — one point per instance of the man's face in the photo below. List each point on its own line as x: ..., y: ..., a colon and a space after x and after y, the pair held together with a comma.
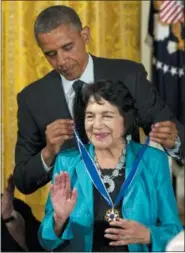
x: 64, y: 48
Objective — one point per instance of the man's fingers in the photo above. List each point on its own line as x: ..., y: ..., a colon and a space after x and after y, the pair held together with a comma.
x: 165, y: 124
x: 61, y: 123
x: 163, y: 130
x: 64, y: 134
x: 61, y: 126
x: 163, y: 136
x: 60, y: 131
x: 57, y: 131
x: 159, y: 135
x: 164, y: 133
x: 166, y: 143
x: 60, y: 140
x: 158, y: 140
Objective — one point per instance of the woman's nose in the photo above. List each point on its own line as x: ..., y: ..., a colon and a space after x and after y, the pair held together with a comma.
x: 98, y: 122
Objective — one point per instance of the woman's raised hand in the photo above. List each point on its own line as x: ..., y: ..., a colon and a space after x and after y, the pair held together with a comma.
x: 62, y: 197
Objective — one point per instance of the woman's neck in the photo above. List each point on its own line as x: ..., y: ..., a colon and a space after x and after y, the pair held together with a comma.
x: 109, y: 157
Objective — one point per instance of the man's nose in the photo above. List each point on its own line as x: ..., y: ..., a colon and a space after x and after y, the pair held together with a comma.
x: 61, y: 58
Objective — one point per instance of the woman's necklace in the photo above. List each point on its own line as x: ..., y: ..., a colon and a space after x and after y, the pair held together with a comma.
x: 108, y: 180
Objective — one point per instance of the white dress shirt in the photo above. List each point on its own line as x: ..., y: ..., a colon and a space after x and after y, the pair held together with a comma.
x: 87, y: 77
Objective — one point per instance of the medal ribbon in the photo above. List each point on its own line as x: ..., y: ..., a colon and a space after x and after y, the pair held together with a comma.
x: 97, y: 180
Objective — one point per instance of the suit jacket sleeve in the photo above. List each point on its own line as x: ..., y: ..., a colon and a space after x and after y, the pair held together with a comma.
x: 29, y: 173
x: 151, y: 107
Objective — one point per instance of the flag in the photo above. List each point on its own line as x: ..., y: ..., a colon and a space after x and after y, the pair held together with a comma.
x: 171, y: 12
x: 166, y: 31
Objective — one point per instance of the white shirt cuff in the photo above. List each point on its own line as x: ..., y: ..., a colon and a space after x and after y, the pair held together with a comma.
x: 175, y: 151
x: 47, y: 169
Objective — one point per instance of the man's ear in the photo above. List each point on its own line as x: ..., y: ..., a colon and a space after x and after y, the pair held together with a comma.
x: 85, y: 33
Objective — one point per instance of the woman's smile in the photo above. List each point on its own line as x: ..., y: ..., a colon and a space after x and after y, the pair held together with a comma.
x: 100, y: 136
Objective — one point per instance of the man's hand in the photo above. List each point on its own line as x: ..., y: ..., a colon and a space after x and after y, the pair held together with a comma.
x: 7, y: 199
x: 127, y: 232
x: 164, y: 133
x: 56, y: 134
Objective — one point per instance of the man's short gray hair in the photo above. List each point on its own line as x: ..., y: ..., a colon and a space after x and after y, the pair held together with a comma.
x: 54, y: 16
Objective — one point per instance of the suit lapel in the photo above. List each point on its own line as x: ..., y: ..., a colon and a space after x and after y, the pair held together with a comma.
x: 104, y: 69
x: 98, y: 69
x: 57, y: 98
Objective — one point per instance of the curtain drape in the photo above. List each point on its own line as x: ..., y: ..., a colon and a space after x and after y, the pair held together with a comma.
x: 115, y: 33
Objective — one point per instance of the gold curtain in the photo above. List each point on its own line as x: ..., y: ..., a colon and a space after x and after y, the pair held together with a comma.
x: 115, y: 32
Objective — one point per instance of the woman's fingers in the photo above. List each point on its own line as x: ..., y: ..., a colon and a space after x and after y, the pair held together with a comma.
x: 121, y: 223
x: 127, y: 232
x: 116, y: 234
x: 74, y: 195
x: 123, y: 242
x: 62, y: 186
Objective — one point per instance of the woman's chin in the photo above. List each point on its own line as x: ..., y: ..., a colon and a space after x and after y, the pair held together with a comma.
x: 100, y: 144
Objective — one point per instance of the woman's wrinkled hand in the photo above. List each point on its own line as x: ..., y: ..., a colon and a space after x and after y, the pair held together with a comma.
x: 62, y: 197
x: 124, y: 232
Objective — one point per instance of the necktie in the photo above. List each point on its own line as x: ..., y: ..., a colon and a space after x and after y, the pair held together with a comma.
x: 77, y: 86
x: 78, y: 108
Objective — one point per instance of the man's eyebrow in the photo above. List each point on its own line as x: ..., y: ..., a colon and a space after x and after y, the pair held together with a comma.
x: 67, y: 46
x: 54, y: 51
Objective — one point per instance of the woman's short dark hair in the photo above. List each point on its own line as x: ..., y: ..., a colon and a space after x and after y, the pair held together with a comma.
x: 117, y: 94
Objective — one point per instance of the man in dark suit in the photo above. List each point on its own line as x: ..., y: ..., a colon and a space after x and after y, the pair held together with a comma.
x: 45, y: 113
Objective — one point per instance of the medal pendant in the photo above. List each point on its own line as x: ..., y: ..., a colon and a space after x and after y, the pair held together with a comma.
x: 111, y: 215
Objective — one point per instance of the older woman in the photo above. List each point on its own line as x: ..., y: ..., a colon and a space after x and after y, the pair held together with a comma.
x: 77, y: 215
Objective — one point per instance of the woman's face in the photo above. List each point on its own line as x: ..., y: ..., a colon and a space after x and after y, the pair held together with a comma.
x: 104, y: 125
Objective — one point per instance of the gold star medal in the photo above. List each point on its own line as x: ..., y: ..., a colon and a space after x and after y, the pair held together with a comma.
x: 111, y: 215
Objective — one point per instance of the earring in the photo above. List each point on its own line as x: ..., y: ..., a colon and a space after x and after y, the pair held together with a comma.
x: 128, y: 138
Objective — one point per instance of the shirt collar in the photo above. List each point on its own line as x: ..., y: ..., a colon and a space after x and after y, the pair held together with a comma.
x: 87, y: 76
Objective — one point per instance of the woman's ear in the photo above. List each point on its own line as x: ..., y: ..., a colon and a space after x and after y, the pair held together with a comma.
x: 85, y: 33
